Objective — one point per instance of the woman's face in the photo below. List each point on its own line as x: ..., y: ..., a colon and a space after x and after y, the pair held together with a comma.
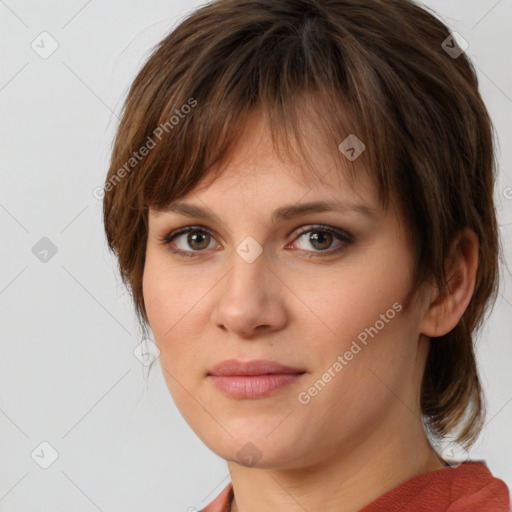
x: 321, y: 292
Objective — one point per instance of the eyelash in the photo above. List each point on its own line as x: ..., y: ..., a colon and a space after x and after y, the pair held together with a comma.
x: 344, y: 236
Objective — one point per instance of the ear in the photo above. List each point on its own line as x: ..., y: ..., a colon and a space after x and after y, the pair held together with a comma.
x: 448, y: 306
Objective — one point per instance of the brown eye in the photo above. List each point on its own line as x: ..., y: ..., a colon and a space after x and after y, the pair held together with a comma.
x: 196, y: 240
x: 321, y: 239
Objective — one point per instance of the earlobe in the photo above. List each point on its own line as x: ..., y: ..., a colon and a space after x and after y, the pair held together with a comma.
x: 448, y: 306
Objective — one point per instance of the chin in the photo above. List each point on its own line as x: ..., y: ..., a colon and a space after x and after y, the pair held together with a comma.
x: 259, y: 450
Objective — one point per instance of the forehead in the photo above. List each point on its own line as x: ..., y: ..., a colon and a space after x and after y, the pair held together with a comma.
x: 252, y: 167
x: 253, y: 182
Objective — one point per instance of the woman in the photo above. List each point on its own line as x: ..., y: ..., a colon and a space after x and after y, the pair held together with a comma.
x: 300, y: 198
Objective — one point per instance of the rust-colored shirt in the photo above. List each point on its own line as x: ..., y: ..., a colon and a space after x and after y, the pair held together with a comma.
x: 469, y: 487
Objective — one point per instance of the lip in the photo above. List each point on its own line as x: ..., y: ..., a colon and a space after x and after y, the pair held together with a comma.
x: 252, y: 379
x: 232, y: 367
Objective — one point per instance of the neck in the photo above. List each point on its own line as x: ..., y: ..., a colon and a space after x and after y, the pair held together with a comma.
x: 345, y: 482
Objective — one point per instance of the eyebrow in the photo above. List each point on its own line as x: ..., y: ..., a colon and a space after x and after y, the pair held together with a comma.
x: 279, y: 214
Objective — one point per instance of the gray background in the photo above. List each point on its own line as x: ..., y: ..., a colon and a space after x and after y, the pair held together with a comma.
x: 68, y: 375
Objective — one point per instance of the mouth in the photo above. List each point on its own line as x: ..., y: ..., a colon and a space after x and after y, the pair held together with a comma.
x: 252, y: 379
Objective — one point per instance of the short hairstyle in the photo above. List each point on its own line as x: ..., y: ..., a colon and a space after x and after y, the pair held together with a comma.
x: 380, y: 70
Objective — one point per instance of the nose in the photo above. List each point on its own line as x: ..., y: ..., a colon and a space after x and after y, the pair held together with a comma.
x: 249, y: 300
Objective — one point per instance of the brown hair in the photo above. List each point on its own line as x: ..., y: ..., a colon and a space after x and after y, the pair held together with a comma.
x: 376, y: 69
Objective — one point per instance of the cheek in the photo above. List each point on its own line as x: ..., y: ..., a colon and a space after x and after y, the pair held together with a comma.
x: 348, y: 302
x: 155, y: 297
x: 171, y: 301
x: 164, y: 306
x: 166, y: 293
x: 362, y: 321
x: 167, y: 319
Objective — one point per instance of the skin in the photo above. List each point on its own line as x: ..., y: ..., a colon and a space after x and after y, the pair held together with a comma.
x: 361, y: 435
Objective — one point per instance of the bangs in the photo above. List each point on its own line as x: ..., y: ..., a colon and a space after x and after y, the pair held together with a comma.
x: 304, y: 103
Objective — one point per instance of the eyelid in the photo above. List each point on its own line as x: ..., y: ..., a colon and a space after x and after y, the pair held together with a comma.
x: 341, y: 233
x: 344, y: 236
x: 185, y: 229
x: 295, y: 231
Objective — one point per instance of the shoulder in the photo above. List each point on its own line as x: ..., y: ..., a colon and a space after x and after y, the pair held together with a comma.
x: 464, y: 487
